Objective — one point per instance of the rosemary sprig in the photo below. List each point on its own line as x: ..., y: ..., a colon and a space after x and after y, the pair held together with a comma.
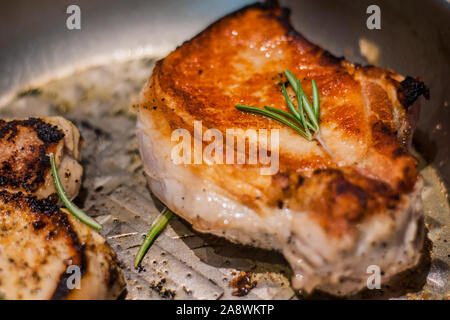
x: 155, y: 229
x: 71, y: 207
x: 274, y: 116
x: 304, y: 118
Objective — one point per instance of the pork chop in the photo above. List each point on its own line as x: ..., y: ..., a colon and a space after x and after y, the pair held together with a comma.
x: 332, y: 215
x: 43, y: 249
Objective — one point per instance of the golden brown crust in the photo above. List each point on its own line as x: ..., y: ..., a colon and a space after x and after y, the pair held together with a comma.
x: 240, y: 59
x: 342, y: 198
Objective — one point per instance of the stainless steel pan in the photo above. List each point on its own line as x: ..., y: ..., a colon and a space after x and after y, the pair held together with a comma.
x: 122, y: 39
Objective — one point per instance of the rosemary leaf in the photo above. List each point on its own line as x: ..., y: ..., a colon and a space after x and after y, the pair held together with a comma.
x: 273, y: 116
x: 295, y: 84
x: 300, y: 107
x: 283, y: 113
x: 71, y: 207
x: 315, y: 92
x: 293, y: 118
x: 155, y: 229
x: 289, y: 103
x: 292, y: 80
x: 308, y: 108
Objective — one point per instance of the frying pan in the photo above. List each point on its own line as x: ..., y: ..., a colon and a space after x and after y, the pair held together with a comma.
x: 37, y: 47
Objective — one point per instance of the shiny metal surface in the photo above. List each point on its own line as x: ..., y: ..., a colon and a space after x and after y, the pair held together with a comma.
x: 36, y: 47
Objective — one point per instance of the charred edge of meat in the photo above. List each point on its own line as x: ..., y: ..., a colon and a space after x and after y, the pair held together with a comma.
x: 49, y: 208
x: 37, y: 167
x: 29, y: 92
x: 114, y: 274
x: 32, y: 177
x: 62, y: 289
x: 368, y: 196
x: 46, y: 132
x: 410, y: 89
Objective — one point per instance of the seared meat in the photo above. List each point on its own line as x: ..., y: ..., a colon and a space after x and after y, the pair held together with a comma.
x: 24, y: 165
x: 332, y: 216
x: 38, y: 240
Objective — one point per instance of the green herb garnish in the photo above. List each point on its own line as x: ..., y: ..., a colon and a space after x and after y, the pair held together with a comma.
x: 304, y: 118
x: 155, y: 229
x: 71, y: 207
x: 2, y: 297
